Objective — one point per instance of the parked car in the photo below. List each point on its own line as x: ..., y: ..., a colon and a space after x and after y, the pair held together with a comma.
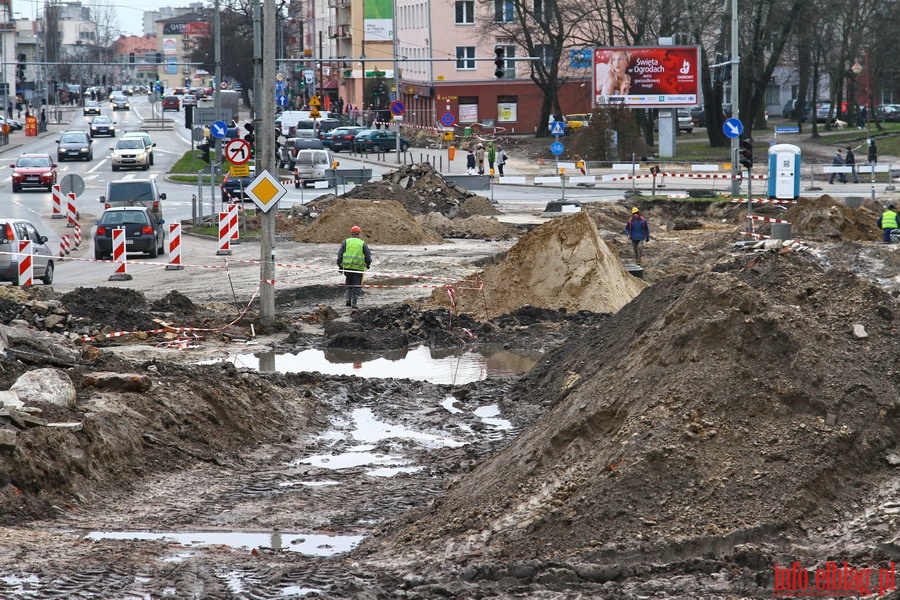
x: 130, y: 153
x: 75, y: 145
x: 379, y: 140
x: 33, y: 170
x: 171, y: 103
x: 685, y: 122
x: 312, y: 165
x: 342, y: 137
x: 148, y: 141
x: 791, y: 110
x: 120, y: 102
x: 15, y: 124
x: 103, y: 125
x: 889, y: 112
x: 144, y: 232
x: 577, y: 121
x: 13, y: 231
x: 189, y: 100
x: 287, y: 153
x: 91, y: 107
x: 822, y: 109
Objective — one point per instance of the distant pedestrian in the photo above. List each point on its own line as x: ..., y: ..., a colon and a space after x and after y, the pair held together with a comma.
x: 501, y: 159
x: 353, y: 259
x: 479, y: 158
x: 43, y: 123
x: 838, y: 161
x: 873, y: 152
x: 491, y: 157
x: 850, y: 161
x: 470, y: 162
x: 888, y: 222
x: 863, y: 117
x: 638, y: 231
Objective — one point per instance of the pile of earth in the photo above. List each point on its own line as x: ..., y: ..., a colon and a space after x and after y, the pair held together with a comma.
x: 750, y: 403
x: 562, y: 264
x: 829, y: 219
x: 382, y: 222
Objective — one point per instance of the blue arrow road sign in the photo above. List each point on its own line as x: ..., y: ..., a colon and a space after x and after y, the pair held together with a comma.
x: 556, y: 148
x: 218, y: 129
x: 281, y: 100
x: 557, y: 128
x: 733, y: 127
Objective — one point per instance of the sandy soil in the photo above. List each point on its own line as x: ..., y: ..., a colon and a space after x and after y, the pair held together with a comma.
x: 674, y: 440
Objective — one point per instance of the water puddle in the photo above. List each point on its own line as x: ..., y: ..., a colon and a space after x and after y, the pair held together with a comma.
x: 457, y: 367
x: 312, y: 544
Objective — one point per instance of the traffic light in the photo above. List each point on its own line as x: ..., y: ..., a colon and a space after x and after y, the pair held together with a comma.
x: 500, y: 62
x: 131, y: 57
x: 204, y: 150
x: 159, y: 57
x: 746, y: 152
x: 20, y: 67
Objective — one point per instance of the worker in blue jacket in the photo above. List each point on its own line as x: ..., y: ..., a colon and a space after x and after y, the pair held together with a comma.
x: 638, y: 231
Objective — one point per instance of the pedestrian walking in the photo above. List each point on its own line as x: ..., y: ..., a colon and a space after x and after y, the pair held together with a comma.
x: 838, y: 161
x: 479, y: 158
x: 638, y: 231
x: 873, y: 152
x: 43, y: 123
x: 470, y: 162
x: 491, y: 157
x: 353, y: 259
x: 888, y: 222
x: 850, y: 161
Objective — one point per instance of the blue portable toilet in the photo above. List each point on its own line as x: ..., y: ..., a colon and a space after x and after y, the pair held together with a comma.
x: 784, y: 171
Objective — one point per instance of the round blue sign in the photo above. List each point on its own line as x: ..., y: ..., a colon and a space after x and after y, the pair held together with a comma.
x: 448, y: 119
x: 281, y: 100
x: 218, y: 129
x: 397, y: 108
x: 733, y: 127
x: 556, y: 148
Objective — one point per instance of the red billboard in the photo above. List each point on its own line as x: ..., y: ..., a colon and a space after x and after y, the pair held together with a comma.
x: 647, y: 76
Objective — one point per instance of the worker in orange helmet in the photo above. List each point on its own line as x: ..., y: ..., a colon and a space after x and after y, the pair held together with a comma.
x: 353, y: 259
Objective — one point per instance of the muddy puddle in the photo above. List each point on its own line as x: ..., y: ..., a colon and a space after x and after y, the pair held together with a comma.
x: 455, y: 367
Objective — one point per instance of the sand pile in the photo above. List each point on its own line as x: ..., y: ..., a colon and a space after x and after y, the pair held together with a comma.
x: 561, y: 264
x: 754, y: 401
x: 474, y: 227
x: 382, y: 222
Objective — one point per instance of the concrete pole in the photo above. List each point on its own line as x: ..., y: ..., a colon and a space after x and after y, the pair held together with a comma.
x: 265, y: 161
x: 735, y: 98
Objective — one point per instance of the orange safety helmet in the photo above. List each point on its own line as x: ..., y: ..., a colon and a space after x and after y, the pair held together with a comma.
x: 355, y: 229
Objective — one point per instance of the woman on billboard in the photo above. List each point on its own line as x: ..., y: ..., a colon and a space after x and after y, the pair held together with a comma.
x: 616, y: 81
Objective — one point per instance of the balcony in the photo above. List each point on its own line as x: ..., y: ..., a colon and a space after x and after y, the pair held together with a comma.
x: 339, y: 31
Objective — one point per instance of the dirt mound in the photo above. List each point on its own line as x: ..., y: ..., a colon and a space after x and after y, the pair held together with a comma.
x: 733, y: 403
x: 419, y: 188
x: 382, y: 222
x: 828, y: 219
x: 563, y: 264
x: 119, y: 309
x: 477, y: 227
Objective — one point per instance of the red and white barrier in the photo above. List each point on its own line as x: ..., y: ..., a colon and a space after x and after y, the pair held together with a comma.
x: 174, y: 248
x: 26, y: 263
x: 764, y: 201
x: 64, y: 245
x: 119, y: 256
x: 77, y: 234
x: 57, y: 202
x: 767, y: 219
x: 234, y: 223
x: 224, y: 234
x: 71, y: 211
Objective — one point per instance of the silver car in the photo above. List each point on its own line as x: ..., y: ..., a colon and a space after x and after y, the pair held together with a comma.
x: 12, y: 231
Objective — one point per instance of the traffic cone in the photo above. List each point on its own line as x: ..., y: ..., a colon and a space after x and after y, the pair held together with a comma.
x: 541, y: 161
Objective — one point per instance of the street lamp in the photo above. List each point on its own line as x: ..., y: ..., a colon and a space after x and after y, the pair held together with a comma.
x: 867, y: 88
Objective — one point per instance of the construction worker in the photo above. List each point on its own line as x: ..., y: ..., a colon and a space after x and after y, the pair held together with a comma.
x: 888, y: 222
x: 353, y: 259
x: 638, y: 231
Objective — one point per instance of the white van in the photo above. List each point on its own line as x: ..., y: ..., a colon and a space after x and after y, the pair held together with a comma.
x: 288, y: 119
x: 312, y: 165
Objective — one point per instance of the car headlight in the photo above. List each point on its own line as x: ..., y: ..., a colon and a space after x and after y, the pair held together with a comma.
x: 47, y: 174
x: 112, y: 127
x: 84, y: 149
x: 141, y: 156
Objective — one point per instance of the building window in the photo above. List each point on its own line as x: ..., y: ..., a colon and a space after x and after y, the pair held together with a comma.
x: 773, y: 94
x: 465, y: 58
x: 504, y: 11
x: 545, y: 54
x: 465, y: 12
x: 468, y: 109
x: 507, y: 109
x: 543, y: 11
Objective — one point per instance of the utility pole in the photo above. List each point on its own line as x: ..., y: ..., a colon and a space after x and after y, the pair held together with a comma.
x: 735, y: 99
x: 265, y: 161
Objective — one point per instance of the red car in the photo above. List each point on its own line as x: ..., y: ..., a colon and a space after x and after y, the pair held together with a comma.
x: 171, y: 103
x: 33, y: 170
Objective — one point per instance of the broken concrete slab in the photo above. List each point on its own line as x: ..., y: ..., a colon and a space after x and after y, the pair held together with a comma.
x: 46, y: 385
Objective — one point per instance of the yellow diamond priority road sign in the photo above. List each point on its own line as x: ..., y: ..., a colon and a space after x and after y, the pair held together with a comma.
x: 265, y: 191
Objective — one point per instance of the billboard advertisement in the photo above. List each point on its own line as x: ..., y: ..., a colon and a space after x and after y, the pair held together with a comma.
x: 378, y: 20
x: 651, y: 76
x: 195, y: 28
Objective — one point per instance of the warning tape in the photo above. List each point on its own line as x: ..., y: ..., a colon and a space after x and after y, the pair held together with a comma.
x: 373, y: 285
x: 764, y: 201
x: 687, y: 176
x: 767, y: 219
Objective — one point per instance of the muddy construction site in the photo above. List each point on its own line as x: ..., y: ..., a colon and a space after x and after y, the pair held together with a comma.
x: 511, y: 413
